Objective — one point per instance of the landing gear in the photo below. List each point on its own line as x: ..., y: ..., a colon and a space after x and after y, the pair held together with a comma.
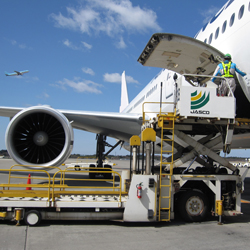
x: 100, y: 149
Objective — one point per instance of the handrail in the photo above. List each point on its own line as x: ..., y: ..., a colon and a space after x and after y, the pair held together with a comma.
x: 12, y: 171
x: 48, y: 184
x: 219, y: 77
x: 155, y: 112
x: 62, y: 188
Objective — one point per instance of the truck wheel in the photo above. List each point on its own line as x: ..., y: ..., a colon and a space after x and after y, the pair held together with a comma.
x: 32, y: 218
x: 193, y: 206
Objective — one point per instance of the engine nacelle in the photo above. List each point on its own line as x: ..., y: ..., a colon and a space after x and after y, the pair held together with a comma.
x: 39, y: 136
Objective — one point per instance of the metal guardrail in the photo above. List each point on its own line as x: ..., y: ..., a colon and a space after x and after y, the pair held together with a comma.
x: 159, y: 112
x: 40, y: 183
x: 219, y: 77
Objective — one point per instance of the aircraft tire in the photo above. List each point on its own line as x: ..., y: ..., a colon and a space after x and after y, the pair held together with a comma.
x: 107, y: 175
x: 92, y: 175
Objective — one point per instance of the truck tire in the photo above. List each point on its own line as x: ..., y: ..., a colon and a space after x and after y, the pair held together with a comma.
x: 194, y: 206
x: 32, y: 218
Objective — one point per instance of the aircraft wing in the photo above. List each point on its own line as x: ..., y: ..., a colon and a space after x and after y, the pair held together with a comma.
x: 117, y: 125
x: 21, y: 72
x: 17, y: 73
x: 184, y: 55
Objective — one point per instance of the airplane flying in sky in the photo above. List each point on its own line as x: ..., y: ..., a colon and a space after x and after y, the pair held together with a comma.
x: 17, y: 73
x: 44, y: 136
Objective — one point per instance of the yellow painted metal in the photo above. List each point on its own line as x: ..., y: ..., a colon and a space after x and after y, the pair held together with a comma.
x: 160, y: 113
x: 219, y: 207
x: 3, y: 214
x: 166, y: 122
x: 148, y: 134
x: 168, y: 119
x: 135, y: 141
x: 63, y: 182
x: 18, y: 214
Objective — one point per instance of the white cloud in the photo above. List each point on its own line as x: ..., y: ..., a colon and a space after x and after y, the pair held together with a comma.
x: 88, y: 71
x: 86, y: 45
x: 31, y: 79
x: 109, y: 16
x: 121, y: 44
x: 44, y: 95
x: 20, y: 45
x: 70, y: 45
x: 130, y: 79
x: 81, y: 85
x: 116, y: 78
x: 13, y: 42
x: 209, y: 13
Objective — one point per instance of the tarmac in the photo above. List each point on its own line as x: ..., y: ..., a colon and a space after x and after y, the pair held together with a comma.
x: 233, y: 234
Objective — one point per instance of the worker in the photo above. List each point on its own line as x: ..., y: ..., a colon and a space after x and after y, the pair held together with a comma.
x: 227, y: 69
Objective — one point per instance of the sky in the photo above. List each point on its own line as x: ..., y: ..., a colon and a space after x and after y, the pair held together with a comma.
x: 76, y: 51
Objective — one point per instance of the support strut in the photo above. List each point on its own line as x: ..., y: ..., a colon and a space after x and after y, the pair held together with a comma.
x: 205, y: 150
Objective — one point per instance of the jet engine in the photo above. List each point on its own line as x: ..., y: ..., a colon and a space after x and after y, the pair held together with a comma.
x: 39, y: 136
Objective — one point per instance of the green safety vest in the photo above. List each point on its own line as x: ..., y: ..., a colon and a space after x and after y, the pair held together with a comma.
x: 226, y: 68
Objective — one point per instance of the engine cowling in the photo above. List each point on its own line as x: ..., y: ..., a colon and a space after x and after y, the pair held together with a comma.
x: 39, y: 136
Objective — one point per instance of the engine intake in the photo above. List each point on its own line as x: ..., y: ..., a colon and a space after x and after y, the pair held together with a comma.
x: 39, y: 136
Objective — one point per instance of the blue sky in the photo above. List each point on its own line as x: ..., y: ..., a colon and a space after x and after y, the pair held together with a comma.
x: 76, y: 51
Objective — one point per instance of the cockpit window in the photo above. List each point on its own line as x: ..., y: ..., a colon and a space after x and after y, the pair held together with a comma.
x: 224, y: 26
x: 210, y: 38
x: 205, y: 41
x: 217, y: 33
x: 249, y: 6
x: 241, y: 12
x: 231, y: 22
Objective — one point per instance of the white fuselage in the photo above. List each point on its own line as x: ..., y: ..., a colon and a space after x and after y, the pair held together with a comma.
x: 234, y: 40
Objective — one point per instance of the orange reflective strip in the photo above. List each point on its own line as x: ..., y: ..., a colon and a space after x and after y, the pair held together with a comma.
x: 244, y: 201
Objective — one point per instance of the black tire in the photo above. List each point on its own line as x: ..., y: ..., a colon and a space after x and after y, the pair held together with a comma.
x: 32, y: 218
x: 92, y: 175
x: 223, y: 171
x: 194, y: 206
x: 107, y: 175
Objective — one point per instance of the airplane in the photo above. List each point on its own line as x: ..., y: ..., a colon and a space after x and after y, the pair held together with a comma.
x: 17, y: 73
x: 43, y: 136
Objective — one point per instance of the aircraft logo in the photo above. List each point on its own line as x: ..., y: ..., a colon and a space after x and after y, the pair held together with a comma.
x: 198, y: 100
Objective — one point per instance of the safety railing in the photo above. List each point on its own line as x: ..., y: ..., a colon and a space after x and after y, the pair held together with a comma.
x: 27, y: 181
x: 159, y: 111
x: 35, y: 182
x: 75, y: 182
x: 218, y: 77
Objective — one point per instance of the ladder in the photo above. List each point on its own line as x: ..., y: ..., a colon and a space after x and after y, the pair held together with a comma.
x: 166, y: 123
